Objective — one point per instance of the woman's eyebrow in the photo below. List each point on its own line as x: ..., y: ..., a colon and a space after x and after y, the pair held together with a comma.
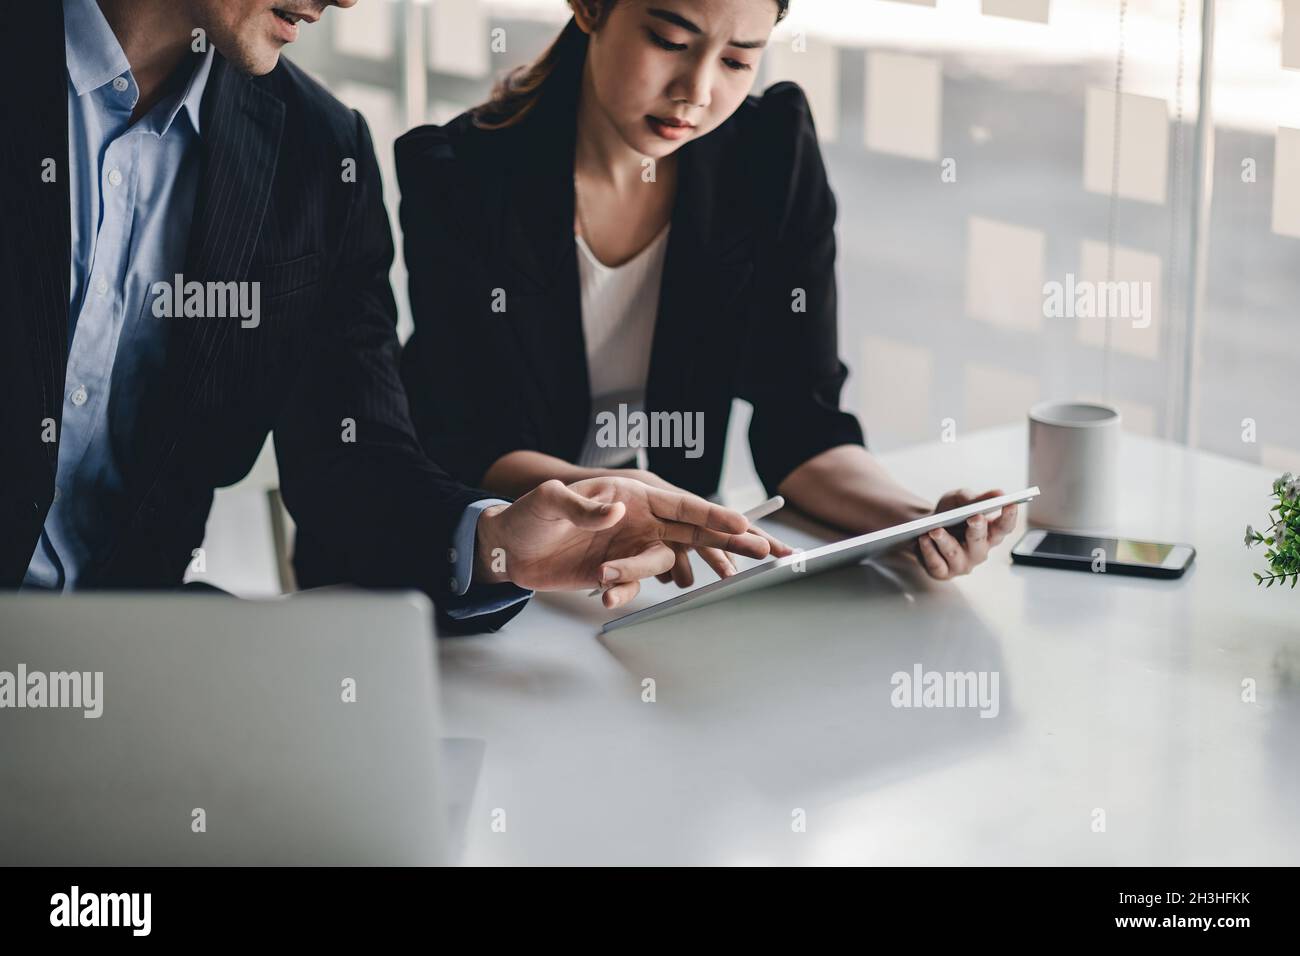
x: 676, y: 19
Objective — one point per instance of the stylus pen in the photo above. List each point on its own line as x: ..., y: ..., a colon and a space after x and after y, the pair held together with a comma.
x: 770, y: 506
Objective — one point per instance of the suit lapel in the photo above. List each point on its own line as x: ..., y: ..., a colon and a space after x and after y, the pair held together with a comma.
x: 240, y: 143
x: 538, y: 248
x: 242, y: 125
x: 708, y: 261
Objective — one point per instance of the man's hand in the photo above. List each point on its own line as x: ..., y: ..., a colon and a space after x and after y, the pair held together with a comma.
x: 681, y: 571
x: 608, y: 532
x: 946, y: 555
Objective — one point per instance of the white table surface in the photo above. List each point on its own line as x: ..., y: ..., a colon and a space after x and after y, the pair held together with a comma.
x: 1116, y: 694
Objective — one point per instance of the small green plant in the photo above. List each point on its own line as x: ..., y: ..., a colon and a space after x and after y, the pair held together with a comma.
x: 1282, y: 537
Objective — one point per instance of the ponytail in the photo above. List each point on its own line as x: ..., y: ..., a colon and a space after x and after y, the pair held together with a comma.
x: 515, y: 94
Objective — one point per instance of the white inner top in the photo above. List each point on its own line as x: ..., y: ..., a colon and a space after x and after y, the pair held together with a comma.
x: 619, y: 306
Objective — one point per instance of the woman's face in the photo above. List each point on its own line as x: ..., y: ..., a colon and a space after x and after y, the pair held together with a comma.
x: 666, y: 72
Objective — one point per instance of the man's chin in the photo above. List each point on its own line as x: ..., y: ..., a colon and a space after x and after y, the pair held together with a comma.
x: 255, y: 62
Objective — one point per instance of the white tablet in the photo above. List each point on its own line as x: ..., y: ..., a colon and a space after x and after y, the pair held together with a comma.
x: 828, y: 556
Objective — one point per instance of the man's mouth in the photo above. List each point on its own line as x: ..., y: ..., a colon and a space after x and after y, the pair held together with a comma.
x: 287, y: 23
x: 288, y: 16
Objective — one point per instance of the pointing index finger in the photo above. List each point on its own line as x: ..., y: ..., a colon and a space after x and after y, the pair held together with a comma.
x: 686, y: 508
x: 747, y: 543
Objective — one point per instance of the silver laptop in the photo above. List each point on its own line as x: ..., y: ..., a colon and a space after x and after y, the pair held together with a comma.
x: 181, y: 729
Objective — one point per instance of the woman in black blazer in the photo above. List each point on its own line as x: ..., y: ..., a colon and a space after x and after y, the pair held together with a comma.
x: 626, y: 165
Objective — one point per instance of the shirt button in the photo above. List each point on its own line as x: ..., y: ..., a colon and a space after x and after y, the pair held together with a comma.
x: 115, y: 177
x: 451, y: 555
x: 120, y: 84
x: 102, y: 286
x: 455, y: 585
x: 79, y: 396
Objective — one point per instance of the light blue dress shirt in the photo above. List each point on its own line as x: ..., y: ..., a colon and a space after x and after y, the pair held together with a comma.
x: 132, y: 192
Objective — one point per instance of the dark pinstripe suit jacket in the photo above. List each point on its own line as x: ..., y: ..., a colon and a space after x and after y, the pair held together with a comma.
x: 275, y: 207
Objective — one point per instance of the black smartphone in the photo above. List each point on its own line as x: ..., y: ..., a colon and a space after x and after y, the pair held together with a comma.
x: 1082, y: 552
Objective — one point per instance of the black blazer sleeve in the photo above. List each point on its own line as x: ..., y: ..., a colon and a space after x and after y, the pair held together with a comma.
x: 352, y: 473
x: 792, y: 374
x: 462, y: 367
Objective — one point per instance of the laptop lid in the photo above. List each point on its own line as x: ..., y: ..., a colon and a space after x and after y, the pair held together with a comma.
x: 183, y: 729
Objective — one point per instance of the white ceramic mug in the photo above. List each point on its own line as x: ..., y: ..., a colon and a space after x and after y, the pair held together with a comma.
x: 1074, y: 461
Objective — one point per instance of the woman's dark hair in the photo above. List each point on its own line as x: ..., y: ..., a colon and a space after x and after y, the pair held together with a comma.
x: 515, y: 95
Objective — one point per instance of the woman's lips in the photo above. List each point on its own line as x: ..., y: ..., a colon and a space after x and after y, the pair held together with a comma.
x: 673, y: 130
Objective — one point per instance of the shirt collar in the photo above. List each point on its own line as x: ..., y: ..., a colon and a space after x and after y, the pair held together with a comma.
x: 94, y: 55
x: 96, y: 58
x: 192, y: 99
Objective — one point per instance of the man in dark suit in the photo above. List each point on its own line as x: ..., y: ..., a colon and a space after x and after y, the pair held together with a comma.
x: 194, y: 251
